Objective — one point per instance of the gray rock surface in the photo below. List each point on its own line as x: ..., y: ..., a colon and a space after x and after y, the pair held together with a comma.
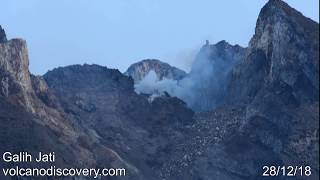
x: 163, y: 70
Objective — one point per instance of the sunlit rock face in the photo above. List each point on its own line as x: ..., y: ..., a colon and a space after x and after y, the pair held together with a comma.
x: 163, y: 70
x: 15, y: 77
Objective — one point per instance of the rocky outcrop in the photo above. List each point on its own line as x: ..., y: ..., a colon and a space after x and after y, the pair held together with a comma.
x: 284, y: 50
x: 3, y: 37
x: 26, y: 121
x: 284, y: 58
x: 163, y: 70
x: 43, y: 92
x: 15, y: 77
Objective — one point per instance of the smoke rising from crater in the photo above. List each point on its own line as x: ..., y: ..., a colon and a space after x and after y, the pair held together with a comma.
x: 205, y: 86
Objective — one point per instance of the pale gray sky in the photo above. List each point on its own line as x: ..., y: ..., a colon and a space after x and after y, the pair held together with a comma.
x: 117, y: 33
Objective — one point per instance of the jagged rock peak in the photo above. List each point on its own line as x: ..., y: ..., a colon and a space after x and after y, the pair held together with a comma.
x: 277, y: 5
x: 284, y: 49
x: 221, y: 45
x: 163, y: 70
x: 221, y: 49
x: 277, y: 11
x: 3, y: 37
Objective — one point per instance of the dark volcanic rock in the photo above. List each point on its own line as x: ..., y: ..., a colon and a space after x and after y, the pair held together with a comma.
x: 3, y: 37
x: 103, y: 101
x: 163, y: 70
x: 19, y: 131
x: 43, y: 92
x: 284, y: 50
x: 277, y: 80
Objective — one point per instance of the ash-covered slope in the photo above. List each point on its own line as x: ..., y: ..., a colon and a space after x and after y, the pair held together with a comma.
x: 163, y: 70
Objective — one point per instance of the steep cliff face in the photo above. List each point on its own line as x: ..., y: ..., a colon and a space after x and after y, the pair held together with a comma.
x: 283, y: 56
x: 26, y: 122
x: 284, y: 50
x: 17, y: 86
x: 163, y: 70
x: 14, y: 69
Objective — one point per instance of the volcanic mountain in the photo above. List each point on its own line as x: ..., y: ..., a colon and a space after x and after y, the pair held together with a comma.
x: 91, y: 116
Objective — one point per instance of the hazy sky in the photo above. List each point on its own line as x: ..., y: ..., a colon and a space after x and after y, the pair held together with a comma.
x: 117, y: 33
